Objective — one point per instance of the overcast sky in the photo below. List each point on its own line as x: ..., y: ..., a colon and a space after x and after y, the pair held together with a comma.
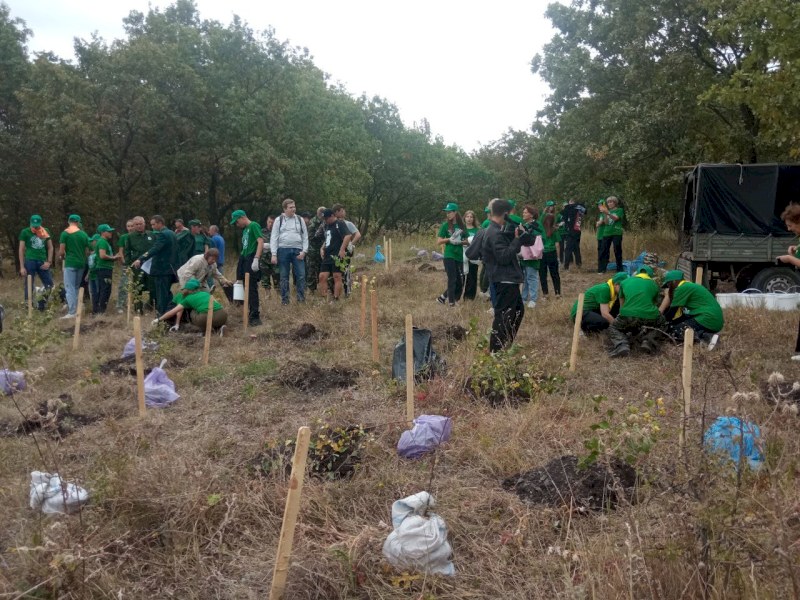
x: 463, y: 66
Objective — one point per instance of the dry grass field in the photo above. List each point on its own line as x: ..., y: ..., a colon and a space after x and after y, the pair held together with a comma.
x: 183, y: 507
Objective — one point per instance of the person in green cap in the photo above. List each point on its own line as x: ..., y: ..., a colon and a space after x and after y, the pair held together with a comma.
x: 195, y: 300
x: 185, y: 241
x: 103, y: 264
x: 73, y: 248
x: 613, y: 215
x: 600, y: 305
x: 452, y: 234
x: 164, y: 264
x: 471, y: 266
x: 601, y: 234
x: 36, y: 256
x: 638, y: 314
x: 200, y: 241
x: 688, y: 305
x: 549, y: 256
x: 249, y: 259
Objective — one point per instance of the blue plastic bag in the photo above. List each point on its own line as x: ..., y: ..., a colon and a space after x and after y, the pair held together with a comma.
x: 428, y: 432
x: 730, y: 436
x: 379, y: 257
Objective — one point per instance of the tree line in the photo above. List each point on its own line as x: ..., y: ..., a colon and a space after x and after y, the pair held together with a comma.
x: 191, y: 118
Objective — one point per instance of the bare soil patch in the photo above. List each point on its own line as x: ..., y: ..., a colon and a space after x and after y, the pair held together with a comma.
x: 53, y: 417
x: 311, y: 377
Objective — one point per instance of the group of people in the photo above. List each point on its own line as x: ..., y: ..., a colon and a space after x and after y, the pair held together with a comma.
x: 154, y: 260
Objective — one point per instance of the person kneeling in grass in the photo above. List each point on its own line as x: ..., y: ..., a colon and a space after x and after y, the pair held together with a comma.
x: 196, y: 300
x: 690, y: 305
x: 638, y: 314
x: 600, y: 305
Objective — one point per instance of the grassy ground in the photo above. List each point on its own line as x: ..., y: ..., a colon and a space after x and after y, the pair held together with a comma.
x: 178, y: 510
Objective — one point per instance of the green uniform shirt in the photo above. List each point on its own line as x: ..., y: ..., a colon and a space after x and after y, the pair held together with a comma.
x: 640, y: 295
x: 35, y: 247
x: 601, y: 229
x: 699, y: 303
x: 136, y: 244
x: 121, y: 244
x: 75, y: 246
x: 614, y: 227
x: 100, y: 263
x: 456, y: 252
x: 198, y: 302
x: 593, y: 298
x: 200, y: 243
x: 250, y: 235
x: 551, y: 240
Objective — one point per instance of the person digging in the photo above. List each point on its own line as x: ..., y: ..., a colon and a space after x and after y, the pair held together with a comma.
x: 638, y: 315
x: 690, y: 305
x: 600, y: 305
x: 195, y: 300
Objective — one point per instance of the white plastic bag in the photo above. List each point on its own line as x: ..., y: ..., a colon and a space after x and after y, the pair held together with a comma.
x: 418, y: 542
x: 52, y: 496
x: 159, y: 389
x: 130, y: 347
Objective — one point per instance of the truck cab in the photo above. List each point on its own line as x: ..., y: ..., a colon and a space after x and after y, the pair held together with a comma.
x: 732, y: 227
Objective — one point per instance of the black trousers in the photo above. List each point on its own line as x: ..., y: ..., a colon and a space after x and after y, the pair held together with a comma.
x: 549, y: 263
x: 244, y: 266
x: 676, y: 327
x: 100, y: 299
x: 573, y: 249
x: 162, y: 285
x: 455, y: 279
x: 508, y: 312
x: 605, y: 252
x: 483, y: 279
x: 593, y: 322
x: 561, y: 246
x: 471, y: 284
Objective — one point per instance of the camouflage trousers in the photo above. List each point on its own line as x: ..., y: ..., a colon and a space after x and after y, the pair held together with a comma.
x: 313, y: 262
x: 270, y: 274
x: 624, y: 330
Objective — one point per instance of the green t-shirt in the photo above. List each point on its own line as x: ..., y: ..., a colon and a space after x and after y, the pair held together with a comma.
x: 456, y: 252
x: 699, y: 303
x: 200, y: 243
x: 100, y: 263
x: 471, y: 231
x: 121, y: 243
x: 198, y: 302
x: 614, y: 227
x: 601, y: 229
x: 551, y: 240
x: 75, y: 246
x: 640, y: 295
x: 593, y: 298
x: 250, y: 235
x: 35, y: 247
x: 486, y: 223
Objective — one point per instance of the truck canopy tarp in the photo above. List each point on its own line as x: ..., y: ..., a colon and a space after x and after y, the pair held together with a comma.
x: 739, y: 199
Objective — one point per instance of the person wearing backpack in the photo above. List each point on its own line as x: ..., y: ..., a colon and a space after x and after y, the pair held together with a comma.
x: 573, y: 221
x: 531, y: 256
x: 289, y: 244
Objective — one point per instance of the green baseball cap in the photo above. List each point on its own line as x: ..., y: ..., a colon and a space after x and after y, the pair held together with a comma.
x: 103, y: 228
x: 487, y: 210
x: 619, y: 278
x: 237, y: 214
x: 513, y: 203
x: 450, y: 207
x: 194, y: 222
x: 647, y: 270
x: 95, y: 237
x: 192, y: 284
x: 74, y: 218
x: 672, y: 276
x: 549, y: 203
x: 36, y: 220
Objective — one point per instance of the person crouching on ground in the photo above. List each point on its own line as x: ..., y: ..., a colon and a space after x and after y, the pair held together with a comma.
x: 791, y: 217
x: 499, y: 252
x: 688, y: 305
x: 452, y: 234
x: 195, y: 300
x: 600, y: 305
x: 203, y: 268
x: 639, y: 310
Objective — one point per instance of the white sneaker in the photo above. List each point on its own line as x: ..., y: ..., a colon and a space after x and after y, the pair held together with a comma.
x: 531, y: 304
x: 796, y: 357
x: 713, y: 343
x: 67, y: 316
x: 222, y: 331
x: 491, y: 312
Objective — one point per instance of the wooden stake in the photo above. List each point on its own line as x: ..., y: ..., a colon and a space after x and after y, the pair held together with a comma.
x: 698, y: 278
x: 290, y: 512
x: 688, y: 347
x: 409, y: 370
x: 30, y: 295
x: 209, y: 319
x: 390, y: 253
x: 373, y: 294
x: 76, y: 336
x: 131, y: 286
x: 576, y: 334
x: 363, y: 322
x: 385, y: 255
x: 137, y: 337
x: 246, y: 305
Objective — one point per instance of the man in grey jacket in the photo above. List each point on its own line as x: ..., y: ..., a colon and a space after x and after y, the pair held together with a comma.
x: 499, y: 252
x: 289, y: 244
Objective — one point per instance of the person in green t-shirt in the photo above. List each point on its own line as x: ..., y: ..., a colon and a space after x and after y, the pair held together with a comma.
x: 73, y: 249
x: 688, y: 305
x: 36, y: 256
x: 562, y: 233
x: 600, y: 305
x: 184, y: 240
x: 104, y: 259
x: 452, y: 234
x: 249, y: 259
x: 471, y: 267
x: 549, y: 256
x: 613, y: 215
x: 601, y: 234
x: 638, y: 314
x: 195, y: 300
x: 200, y: 241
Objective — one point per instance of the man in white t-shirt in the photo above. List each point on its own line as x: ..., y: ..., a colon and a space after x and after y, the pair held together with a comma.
x: 289, y: 245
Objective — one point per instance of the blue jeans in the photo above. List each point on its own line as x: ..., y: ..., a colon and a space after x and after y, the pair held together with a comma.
x: 34, y: 267
x: 530, y: 288
x: 72, y: 281
x: 288, y: 257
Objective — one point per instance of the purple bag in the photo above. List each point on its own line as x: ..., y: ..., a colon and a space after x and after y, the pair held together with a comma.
x: 159, y: 390
x: 12, y: 381
x: 428, y: 432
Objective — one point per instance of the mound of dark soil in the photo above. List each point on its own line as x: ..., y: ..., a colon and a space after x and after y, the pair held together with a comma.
x: 561, y: 483
x: 427, y: 268
x: 448, y: 333
x: 497, y: 398
x: 312, y: 377
x: 122, y: 367
x: 53, y: 417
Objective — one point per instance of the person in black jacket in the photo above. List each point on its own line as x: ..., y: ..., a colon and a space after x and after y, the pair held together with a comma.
x: 499, y: 252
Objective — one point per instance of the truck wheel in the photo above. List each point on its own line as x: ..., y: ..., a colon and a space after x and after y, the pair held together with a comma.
x: 776, y: 279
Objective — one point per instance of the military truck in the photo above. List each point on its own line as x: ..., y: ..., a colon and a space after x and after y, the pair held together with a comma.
x: 732, y: 226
